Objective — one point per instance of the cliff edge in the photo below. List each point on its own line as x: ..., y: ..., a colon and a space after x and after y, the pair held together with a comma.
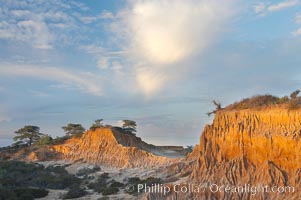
x: 259, y: 147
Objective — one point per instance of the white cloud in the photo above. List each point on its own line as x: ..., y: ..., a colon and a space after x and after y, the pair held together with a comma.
x: 298, y: 18
x: 283, y: 5
x: 160, y: 34
x: 259, y: 8
x: 42, y: 24
x: 27, y: 23
x: 117, y: 68
x: 103, y: 15
x: 106, y: 15
x: 165, y: 32
x: 263, y: 8
x: 105, y: 59
x: 36, y: 31
x: 102, y: 63
x: 150, y: 81
x: 85, y: 82
x: 297, y: 32
x: 27, y: 30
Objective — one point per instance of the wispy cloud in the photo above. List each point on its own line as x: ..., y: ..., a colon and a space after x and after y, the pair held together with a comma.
x: 259, y: 8
x: 105, y: 59
x: 103, y: 15
x: 298, y: 18
x: 262, y: 8
x: 26, y: 22
x: 159, y: 35
x: 44, y: 24
x: 297, y: 32
x: 298, y: 21
x: 35, y: 31
x: 83, y: 81
x: 283, y: 5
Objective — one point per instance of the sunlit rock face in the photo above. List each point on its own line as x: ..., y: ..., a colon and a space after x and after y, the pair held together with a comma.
x: 246, y: 148
x: 110, y: 147
x: 256, y: 147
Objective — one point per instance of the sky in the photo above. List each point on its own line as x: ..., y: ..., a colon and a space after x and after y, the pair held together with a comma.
x: 158, y: 62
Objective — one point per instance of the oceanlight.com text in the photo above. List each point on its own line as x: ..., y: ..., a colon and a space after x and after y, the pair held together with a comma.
x: 213, y: 188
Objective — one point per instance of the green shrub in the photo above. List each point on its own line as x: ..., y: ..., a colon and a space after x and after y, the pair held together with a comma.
x: 152, y: 180
x: 109, y: 191
x: 262, y: 101
x: 7, y: 194
x: 34, y: 192
x: 16, y: 174
x: 116, y: 184
x: 60, y: 140
x: 100, y: 184
x: 44, y: 140
x: 254, y: 102
x: 54, y: 177
x: 22, y: 193
x: 284, y: 100
x: 87, y: 171
x: 75, y: 192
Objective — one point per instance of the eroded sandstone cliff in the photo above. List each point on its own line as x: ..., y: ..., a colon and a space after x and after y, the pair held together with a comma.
x: 255, y: 147
x: 258, y: 148
x: 102, y: 146
x: 106, y: 146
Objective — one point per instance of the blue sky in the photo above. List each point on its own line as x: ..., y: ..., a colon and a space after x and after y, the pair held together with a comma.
x: 159, y: 62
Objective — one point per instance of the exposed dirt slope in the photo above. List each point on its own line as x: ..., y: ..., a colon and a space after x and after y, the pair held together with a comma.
x: 252, y: 147
x: 255, y: 147
x: 105, y: 146
x: 102, y: 146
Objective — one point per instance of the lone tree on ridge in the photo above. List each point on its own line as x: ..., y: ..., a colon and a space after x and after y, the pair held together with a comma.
x: 129, y: 126
x: 28, y: 135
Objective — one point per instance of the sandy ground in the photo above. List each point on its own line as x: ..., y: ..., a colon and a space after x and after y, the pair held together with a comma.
x: 168, y: 154
x: 120, y: 175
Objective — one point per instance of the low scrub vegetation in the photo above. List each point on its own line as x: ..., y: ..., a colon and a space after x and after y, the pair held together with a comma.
x: 262, y: 101
x: 20, y: 180
x: 75, y: 191
x: 255, y: 102
x: 100, y: 184
x: 22, y: 193
x: 86, y: 171
x: 104, y: 185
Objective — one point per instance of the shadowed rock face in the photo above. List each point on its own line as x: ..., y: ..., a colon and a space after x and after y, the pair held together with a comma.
x: 251, y: 147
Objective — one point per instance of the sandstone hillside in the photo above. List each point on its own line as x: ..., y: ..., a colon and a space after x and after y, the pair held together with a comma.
x: 105, y: 146
x: 251, y: 147
x: 255, y: 147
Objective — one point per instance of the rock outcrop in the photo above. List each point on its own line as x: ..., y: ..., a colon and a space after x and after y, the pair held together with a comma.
x: 255, y: 149
x: 106, y: 146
